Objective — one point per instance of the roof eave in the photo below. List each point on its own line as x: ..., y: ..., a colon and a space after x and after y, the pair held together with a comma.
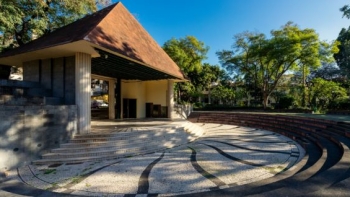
x: 62, y: 50
x: 177, y: 78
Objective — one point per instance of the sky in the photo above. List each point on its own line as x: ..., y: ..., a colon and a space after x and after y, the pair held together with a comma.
x: 215, y: 22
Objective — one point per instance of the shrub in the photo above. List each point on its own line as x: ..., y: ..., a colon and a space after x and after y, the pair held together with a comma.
x: 286, y: 102
x: 340, y: 104
x: 198, y: 105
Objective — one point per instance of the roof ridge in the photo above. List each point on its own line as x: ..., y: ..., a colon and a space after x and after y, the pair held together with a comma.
x: 110, y: 7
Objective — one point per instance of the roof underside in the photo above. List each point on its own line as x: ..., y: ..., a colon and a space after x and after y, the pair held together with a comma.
x: 111, y: 65
x: 132, y: 52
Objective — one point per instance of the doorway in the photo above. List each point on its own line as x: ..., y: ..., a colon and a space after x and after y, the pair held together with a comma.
x: 99, y: 98
x: 129, y: 108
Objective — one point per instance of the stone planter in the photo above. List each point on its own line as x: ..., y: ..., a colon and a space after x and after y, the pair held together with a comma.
x: 5, y: 71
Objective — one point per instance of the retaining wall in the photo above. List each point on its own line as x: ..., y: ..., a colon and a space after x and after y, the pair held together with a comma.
x: 26, y: 132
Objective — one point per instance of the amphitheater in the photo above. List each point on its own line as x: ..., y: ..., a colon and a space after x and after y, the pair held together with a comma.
x: 209, y: 154
x: 49, y: 146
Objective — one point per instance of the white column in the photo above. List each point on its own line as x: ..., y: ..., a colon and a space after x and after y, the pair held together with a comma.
x: 111, y: 99
x: 170, y: 101
x: 83, y: 91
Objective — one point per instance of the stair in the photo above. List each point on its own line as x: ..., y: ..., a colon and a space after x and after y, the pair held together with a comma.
x: 324, y: 171
x: 124, y: 142
x: 13, y: 92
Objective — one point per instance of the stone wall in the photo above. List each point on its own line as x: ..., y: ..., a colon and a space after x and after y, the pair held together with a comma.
x: 26, y: 132
x: 57, y: 75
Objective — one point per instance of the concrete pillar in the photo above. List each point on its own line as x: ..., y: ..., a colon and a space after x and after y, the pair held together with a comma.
x: 170, y: 101
x: 83, y: 91
x: 111, y: 99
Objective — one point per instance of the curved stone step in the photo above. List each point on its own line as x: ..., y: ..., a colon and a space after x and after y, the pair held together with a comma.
x: 136, y: 141
x: 98, y: 157
x: 320, y: 175
x: 111, y: 145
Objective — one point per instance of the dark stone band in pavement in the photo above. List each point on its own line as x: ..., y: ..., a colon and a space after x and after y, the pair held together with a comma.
x: 233, y: 158
x: 241, y: 147
x: 204, y: 173
x: 143, y: 181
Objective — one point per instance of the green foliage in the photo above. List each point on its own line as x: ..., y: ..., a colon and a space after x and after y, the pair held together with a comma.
x: 343, y: 56
x: 262, y: 61
x: 22, y: 20
x: 225, y: 94
x: 207, y: 74
x: 323, y: 92
x: 277, y: 95
x: 286, y: 102
x: 328, y: 71
x: 188, y: 53
x: 198, y: 105
x: 340, y: 104
x: 346, y: 11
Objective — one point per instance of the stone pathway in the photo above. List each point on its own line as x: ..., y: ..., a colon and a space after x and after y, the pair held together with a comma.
x: 225, y: 156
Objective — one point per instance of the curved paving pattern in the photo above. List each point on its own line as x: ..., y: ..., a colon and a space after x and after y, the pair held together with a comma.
x: 226, y: 156
x: 238, y: 155
x: 325, y: 169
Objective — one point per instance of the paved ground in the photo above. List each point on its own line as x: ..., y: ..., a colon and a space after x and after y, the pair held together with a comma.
x: 226, y: 156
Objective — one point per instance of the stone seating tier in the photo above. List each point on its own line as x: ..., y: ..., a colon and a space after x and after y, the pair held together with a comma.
x: 325, y: 167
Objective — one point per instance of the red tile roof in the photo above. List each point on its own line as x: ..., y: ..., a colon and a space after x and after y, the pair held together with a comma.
x: 113, y: 28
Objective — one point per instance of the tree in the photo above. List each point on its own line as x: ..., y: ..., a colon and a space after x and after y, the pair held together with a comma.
x: 343, y: 56
x: 265, y: 60
x: 22, y: 20
x: 328, y: 71
x: 346, y: 11
x: 207, y: 75
x: 325, y: 92
x: 224, y: 94
x: 188, y: 53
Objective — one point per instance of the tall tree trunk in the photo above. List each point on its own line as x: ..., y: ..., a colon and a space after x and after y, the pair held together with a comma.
x: 303, y: 103
x: 266, y: 99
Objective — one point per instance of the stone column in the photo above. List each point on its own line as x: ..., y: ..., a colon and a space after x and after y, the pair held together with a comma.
x: 111, y: 99
x: 170, y: 101
x: 83, y: 91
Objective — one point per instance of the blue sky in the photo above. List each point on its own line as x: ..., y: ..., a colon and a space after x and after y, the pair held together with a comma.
x: 215, y: 22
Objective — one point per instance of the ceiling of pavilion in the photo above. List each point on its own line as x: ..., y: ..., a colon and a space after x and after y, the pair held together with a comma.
x: 111, y: 65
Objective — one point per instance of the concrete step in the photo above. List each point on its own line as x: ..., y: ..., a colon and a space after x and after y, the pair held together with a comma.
x: 127, y: 133
x: 88, y: 147
x: 29, y: 100
x: 52, y: 101
x: 92, y: 158
x: 123, y: 138
x: 14, y: 100
x: 116, y: 151
x: 38, y: 92
x: 134, y: 141
x: 19, y: 84
x: 194, y: 129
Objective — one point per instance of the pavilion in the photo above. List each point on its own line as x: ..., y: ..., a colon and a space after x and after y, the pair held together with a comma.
x: 109, y: 45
